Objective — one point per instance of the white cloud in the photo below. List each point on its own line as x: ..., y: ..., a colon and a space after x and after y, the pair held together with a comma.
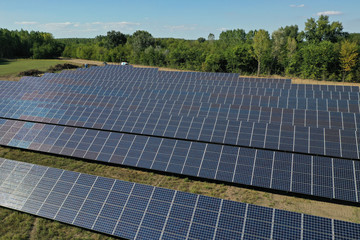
x: 58, y: 25
x: 25, y: 23
x: 297, y: 6
x: 115, y: 25
x: 222, y: 29
x: 329, y: 13
x: 181, y: 27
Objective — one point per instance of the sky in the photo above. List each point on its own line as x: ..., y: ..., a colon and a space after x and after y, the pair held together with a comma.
x: 170, y: 18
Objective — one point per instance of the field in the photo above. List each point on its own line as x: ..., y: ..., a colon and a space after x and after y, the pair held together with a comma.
x: 16, y: 225
x: 9, y: 69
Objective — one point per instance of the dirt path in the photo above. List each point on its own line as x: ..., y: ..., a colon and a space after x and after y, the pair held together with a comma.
x: 34, y: 229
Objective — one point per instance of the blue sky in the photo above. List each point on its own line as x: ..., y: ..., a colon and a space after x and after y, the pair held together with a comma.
x: 169, y: 18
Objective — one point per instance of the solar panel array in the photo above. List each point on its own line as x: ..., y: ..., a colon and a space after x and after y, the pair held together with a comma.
x: 137, y: 211
x: 305, y: 174
x: 258, y: 132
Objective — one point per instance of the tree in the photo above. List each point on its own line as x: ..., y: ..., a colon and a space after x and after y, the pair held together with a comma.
x: 141, y: 40
x: 261, y: 47
x: 278, y: 48
x: 239, y: 59
x: 214, y: 63
x: 291, y: 51
x: 354, y: 37
x: 201, y: 39
x: 348, y: 56
x: 114, y: 39
x: 318, y: 61
x: 230, y: 37
x: 291, y: 31
x: 211, y: 37
x: 310, y: 30
x: 322, y: 30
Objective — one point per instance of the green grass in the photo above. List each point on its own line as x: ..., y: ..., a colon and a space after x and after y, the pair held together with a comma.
x: 11, y: 67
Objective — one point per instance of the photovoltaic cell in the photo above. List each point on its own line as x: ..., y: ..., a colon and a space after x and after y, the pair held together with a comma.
x: 284, y: 137
x: 247, y: 131
x: 66, y: 111
x: 136, y: 211
x: 311, y: 175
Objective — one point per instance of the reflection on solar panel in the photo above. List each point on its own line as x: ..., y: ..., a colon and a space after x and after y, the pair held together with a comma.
x: 68, y: 113
x: 265, y: 133
x: 305, y: 174
x: 136, y: 211
x: 207, y: 125
x: 285, y: 137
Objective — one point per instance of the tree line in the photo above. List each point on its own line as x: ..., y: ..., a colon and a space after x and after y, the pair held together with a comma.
x: 24, y: 44
x: 322, y: 51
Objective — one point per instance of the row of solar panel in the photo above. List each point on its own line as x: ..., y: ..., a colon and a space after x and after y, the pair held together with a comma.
x: 136, y: 211
x: 284, y: 137
x: 220, y: 82
x: 134, y: 96
x: 115, y: 72
x: 68, y: 112
x: 182, y: 85
x: 234, y: 80
x: 252, y: 81
x: 174, y: 95
x: 139, y: 97
x: 331, y: 148
x: 141, y: 102
x: 304, y: 174
x: 249, y: 89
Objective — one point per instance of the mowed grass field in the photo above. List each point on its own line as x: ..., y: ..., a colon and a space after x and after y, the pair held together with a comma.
x: 10, y: 68
x: 17, y: 225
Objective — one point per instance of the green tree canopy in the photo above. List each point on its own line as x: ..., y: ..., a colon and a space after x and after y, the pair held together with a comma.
x: 323, y: 30
x: 348, y: 56
x: 114, y: 39
x: 211, y: 37
x: 261, y: 47
x: 235, y: 36
x: 317, y: 60
x: 141, y: 40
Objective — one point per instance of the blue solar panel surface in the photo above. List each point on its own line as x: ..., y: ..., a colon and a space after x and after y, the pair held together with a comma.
x: 326, y: 177
x: 136, y: 211
x: 178, y: 119
x: 259, y: 132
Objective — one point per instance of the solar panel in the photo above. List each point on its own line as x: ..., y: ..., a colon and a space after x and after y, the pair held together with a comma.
x: 311, y: 140
x: 263, y: 133
x: 113, y: 74
x: 136, y: 211
x: 221, y: 94
x: 284, y: 137
x: 324, y: 177
x: 67, y: 109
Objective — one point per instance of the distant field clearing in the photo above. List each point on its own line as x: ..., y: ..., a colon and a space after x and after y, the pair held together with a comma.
x: 10, y: 68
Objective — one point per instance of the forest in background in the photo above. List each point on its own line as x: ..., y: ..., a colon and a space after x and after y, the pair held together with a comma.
x: 322, y: 51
